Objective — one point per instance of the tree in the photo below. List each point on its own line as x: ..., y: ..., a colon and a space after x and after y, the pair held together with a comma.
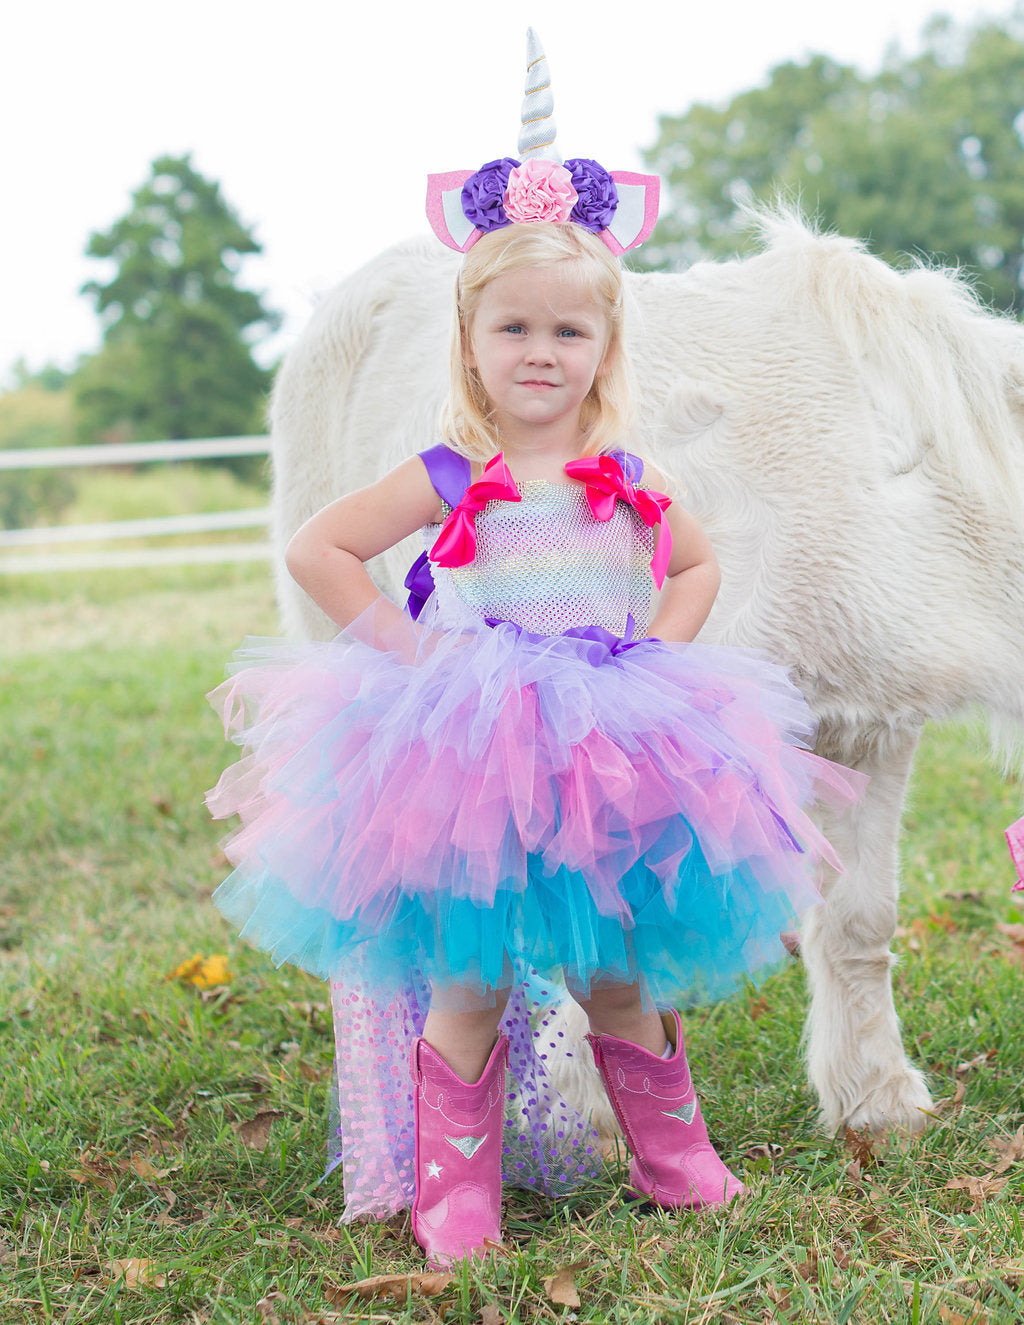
x: 924, y: 158
x: 36, y: 412
x: 176, y: 359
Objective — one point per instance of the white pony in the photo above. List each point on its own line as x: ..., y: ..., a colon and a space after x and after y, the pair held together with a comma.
x: 851, y: 439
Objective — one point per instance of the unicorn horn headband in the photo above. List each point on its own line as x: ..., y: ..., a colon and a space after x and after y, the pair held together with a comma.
x: 619, y: 206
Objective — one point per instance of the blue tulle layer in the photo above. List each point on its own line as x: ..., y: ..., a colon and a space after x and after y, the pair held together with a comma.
x: 474, y: 804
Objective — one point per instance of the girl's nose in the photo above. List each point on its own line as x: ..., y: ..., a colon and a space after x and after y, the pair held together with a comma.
x: 540, y: 350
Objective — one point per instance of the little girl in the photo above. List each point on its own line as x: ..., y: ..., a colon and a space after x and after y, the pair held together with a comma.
x: 538, y: 779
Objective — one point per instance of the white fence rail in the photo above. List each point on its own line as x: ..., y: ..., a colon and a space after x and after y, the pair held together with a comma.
x: 133, y: 453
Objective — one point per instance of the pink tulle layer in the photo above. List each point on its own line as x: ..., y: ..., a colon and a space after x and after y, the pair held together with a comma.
x: 399, y: 773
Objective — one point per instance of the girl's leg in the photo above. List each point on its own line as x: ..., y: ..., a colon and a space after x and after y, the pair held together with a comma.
x: 462, y: 1027
x: 674, y: 1164
x: 459, y: 1098
x: 618, y: 1010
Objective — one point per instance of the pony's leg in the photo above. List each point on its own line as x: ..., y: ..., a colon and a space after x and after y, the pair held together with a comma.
x: 855, y: 1057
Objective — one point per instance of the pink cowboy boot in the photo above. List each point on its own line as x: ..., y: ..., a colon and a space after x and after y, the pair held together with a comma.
x: 674, y: 1164
x: 458, y: 1155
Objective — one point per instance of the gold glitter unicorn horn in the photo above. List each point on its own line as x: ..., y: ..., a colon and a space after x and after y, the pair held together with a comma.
x: 537, y: 136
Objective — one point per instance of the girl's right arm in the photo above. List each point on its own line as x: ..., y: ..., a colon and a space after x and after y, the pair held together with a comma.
x: 326, y: 555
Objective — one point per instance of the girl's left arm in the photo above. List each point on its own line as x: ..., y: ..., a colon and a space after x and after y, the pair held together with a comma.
x: 692, y: 581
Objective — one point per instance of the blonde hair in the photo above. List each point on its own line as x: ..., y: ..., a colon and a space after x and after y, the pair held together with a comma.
x: 607, y: 412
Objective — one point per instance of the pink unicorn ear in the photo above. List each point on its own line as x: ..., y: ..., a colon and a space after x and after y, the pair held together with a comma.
x: 636, y: 212
x: 444, y: 210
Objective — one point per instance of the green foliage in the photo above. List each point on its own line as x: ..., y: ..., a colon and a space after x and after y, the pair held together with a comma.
x: 161, y: 490
x: 926, y: 157
x: 176, y: 359
x: 34, y: 415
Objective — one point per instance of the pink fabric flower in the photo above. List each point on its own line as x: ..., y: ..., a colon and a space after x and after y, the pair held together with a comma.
x: 539, y: 190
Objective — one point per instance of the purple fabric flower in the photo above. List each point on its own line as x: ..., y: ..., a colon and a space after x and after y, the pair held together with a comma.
x: 483, y: 194
x: 598, y: 196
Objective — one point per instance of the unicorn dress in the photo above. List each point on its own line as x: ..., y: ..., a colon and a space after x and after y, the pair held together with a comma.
x: 515, y: 789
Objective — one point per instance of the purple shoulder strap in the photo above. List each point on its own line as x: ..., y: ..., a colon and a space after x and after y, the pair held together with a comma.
x: 632, y: 465
x: 448, y: 471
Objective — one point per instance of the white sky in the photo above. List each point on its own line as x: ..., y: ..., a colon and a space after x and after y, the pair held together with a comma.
x: 321, y: 118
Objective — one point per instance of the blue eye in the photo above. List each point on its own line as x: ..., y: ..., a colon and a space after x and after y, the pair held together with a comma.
x: 568, y: 331
x: 515, y: 328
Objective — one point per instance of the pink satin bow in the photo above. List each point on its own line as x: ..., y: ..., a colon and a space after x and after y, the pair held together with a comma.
x: 456, y: 543
x: 606, y: 483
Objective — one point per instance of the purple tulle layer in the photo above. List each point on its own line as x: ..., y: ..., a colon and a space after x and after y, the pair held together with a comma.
x: 472, y: 802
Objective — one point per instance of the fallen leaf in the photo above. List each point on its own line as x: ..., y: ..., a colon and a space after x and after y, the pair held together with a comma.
x: 769, y: 1150
x: 95, y: 1169
x: 396, y: 1286
x: 978, y: 1189
x: 255, y: 1132
x: 982, y: 1060
x: 1008, y: 1148
x: 265, y: 1306
x: 757, y: 1007
x: 950, y: 1317
x: 145, y: 1170
x: 137, y: 1274
x: 861, y: 1146
x: 202, y: 972
x: 950, y: 1104
x: 808, y: 1269
x: 491, y: 1314
x: 561, y: 1287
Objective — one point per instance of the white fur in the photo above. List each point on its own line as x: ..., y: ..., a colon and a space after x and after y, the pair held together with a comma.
x: 851, y: 439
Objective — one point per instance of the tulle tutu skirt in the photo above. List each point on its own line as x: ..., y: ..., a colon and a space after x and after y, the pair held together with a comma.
x: 475, y: 804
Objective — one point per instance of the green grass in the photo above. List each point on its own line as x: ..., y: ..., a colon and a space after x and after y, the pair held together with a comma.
x: 121, y: 1092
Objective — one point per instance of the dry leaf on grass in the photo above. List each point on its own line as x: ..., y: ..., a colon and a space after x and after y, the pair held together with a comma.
x: 202, y: 972
x: 950, y: 1105
x: 491, y: 1314
x: 982, y: 1060
x: 769, y: 1150
x: 265, y: 1306
x: 978, y: 1189
x: 561, y: 1287
x: 137, y: 1274
x: 864, y: 1148
x: 975, y: 1316
x: 757, y: 1007
x: 396, y: 1286
x: 808, y: 1269
x: 96, y: 1169
x: 1008, y: 1149
x: 143, y: 1169
x: 254, y: 1133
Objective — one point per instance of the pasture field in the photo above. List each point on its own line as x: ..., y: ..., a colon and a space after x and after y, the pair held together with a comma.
x: 162, y: 1142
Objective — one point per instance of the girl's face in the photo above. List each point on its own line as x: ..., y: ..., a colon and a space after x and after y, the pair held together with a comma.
x: 537, y: 341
